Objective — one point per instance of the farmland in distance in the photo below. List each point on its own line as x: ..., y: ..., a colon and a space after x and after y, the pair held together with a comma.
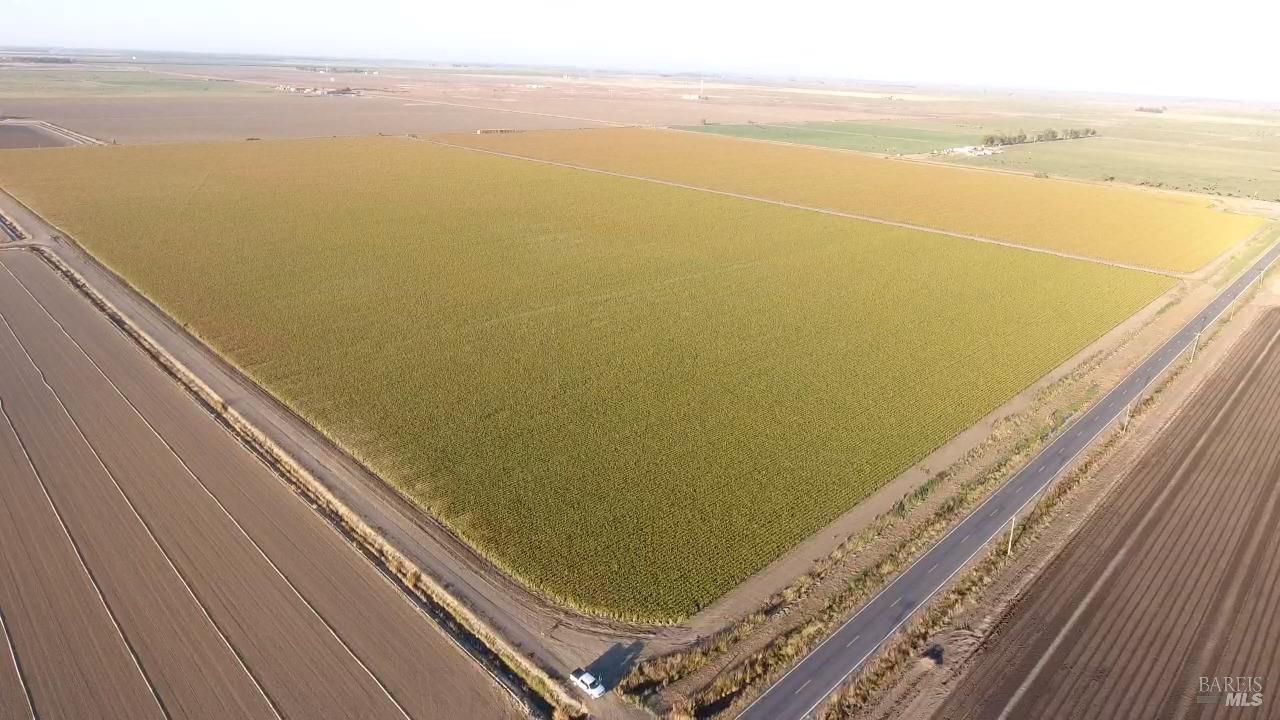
x: 864, y: 137
x: 1236, y: 166
x: 630, y: 395
x: 1164, y: 232
x: 23, y: 82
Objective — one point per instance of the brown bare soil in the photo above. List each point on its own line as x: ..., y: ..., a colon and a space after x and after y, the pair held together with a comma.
x: 1174, y: 578
x: 448, y: 99
x: 187, y: 119
x: 628, y: 99
x: 415, y: 101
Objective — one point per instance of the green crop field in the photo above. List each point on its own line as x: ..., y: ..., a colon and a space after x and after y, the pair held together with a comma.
x: 864, y: 137
x: 1243, y: 168
x: 1233, y: 154
x: 1219, y: 151
x: 54, y: 81
x: 633, y: 396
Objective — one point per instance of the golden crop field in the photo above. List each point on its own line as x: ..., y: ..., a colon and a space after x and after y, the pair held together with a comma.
x: 630, y: 395
x: 1122, y: 225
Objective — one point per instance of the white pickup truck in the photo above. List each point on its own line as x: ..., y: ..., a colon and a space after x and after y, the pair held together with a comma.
x: 588, y: 683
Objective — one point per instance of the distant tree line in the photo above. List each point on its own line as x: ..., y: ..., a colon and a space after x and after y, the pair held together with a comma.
x: 37, y: 59
x: 329, y: 69
x: 1046, y: 135
x: 1150, y: 109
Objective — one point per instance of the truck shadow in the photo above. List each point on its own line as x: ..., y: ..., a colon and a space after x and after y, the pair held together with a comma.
x: 615, y: 663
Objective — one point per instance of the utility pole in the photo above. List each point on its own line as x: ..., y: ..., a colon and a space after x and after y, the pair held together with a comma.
x: 1128, y: 414
x: 1256, y: 281
x: 1195, y: 344
x: 1009, y: 551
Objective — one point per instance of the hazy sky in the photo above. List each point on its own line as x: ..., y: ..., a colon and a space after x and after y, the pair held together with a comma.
x: 1225, y: 48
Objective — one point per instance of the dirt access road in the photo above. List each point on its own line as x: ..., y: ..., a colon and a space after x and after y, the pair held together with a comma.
x: 1176, y: 578
x: 151, y: 567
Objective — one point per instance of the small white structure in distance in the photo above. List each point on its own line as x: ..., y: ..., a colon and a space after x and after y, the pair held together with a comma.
x: 970, y: 150
x: 702, y: 95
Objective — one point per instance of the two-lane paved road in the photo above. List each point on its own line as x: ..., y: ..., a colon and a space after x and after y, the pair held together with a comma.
x: 798, y: 693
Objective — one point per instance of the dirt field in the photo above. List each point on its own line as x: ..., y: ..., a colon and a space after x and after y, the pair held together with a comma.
x: 26, y: 136
x: 130, y: 120
x: 1218, y: 148
x: 170, y: 103
x: 1175, y: 578
x: 152, y: 568
x: 620, y: 98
